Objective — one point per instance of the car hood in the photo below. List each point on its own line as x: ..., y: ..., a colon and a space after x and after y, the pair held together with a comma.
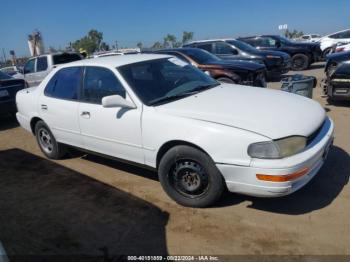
x: 237, y: 65
x: 271, y: 113
x: 342, y: 56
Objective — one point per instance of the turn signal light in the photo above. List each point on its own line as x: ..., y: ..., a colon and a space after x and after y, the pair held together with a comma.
x: 283, y: 178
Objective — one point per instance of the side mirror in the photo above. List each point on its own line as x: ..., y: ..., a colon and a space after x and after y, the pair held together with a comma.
x: 116, y: 101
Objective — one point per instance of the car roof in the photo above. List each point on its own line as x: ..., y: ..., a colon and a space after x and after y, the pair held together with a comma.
x: 116, y: 61
x: 175, y: 49
x: 210, y: 40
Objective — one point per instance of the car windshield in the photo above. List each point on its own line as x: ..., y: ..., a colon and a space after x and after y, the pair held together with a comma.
x: 199, y: 55
x: 242, y: 46
x: 4, y: 76
x: 284, y: 39
x: 164, y: 80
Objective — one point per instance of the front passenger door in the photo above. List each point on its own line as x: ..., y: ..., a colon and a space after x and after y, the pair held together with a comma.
x: 110, y: 131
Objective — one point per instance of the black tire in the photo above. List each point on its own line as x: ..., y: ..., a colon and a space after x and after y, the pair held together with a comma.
x: 300, y: 62
x: 190, y: 177
x: 226, y: 80
x: 47, y: 142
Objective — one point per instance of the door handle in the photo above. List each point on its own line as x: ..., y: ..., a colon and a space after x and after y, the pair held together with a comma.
x: 85, y: 114
x: 43, y: 107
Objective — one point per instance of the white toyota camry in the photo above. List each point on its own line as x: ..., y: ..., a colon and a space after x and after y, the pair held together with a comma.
x: 201, y: 136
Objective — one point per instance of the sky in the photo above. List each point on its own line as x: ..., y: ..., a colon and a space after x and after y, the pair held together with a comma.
x: 148, y: 21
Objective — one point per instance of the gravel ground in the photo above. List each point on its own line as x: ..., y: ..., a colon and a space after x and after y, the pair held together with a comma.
x: 89, y: 205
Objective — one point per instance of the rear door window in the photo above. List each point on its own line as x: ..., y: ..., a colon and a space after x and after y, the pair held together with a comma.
x: 65, y: 84
x: 206, y: 46
x: 41, y: 64
x: 65, y: 58
x: 222, y: 49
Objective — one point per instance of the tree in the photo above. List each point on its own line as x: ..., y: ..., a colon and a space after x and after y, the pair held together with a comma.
x: 169, y: 40
x: 186, y: 37
x: 157, y: 45
x: 104, y: 46
x: 293, y: 34
x: 139, y: 45
x: 90, y: 43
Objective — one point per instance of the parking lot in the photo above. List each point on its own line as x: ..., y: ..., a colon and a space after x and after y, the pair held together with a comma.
x: 91, y: 205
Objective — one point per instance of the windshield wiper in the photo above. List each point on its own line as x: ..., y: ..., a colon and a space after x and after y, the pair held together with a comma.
x: 165, y: 99
x: 193, y: 91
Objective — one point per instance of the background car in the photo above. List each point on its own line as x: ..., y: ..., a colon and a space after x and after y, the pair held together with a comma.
x: 303, y: 54
x: 328, y: 41
x: 234, y: 71
x: 9, y: 86
x: 342, y: 47
x: 37, y: 68
x: 308, y: 38
x: 338, y: 84
x: 13, y: 71
x: 276, y: 63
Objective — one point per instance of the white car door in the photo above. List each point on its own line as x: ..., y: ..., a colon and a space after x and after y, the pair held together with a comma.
x: 41, y: 70
x: 112, y: 131
x: 29, y: 71
x: 59, y: 104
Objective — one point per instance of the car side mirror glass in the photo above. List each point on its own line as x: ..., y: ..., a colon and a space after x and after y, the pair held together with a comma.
x: 116, y: 101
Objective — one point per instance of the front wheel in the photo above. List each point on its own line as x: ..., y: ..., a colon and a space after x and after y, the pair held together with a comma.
x: 300, y: 62
x: 47, y: 142
x: 190, y: 177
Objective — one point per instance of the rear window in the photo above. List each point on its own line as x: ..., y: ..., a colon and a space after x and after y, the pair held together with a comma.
x: 65, y: 84
x: 65, y: 58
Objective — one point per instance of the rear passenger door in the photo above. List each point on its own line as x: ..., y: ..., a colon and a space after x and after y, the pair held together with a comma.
x: 41, y: 70
x: 59, y: 104
x: 29, y: 71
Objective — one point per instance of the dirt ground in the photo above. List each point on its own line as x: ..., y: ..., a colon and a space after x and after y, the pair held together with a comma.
x: 89, y: 205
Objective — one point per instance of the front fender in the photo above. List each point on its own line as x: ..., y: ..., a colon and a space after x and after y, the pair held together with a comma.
x: 224, y: 144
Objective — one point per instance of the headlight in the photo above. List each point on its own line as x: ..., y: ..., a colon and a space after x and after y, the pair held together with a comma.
x: 277, y: 148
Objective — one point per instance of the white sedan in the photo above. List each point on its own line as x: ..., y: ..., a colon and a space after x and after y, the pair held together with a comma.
x: 201, y: 136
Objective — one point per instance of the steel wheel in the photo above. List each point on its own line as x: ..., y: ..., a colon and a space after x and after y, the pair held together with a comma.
x: 45, y: 140
x: 189, y: 178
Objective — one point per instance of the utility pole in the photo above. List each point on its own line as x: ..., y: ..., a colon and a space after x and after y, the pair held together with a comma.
x: 4, y: 55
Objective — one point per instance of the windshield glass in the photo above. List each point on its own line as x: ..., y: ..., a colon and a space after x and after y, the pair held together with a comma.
x: 4, y: 76
x: 242, y: 46
x: 285, y: 39
x: 164, y: 80
x: 199, y: 55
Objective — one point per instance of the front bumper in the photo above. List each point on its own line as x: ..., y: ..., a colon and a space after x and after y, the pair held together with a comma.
x: 338, y: 92
x: 277, y: 67
x: 243, y: 179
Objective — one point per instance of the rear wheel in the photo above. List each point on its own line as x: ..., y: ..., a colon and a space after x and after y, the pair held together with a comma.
x: 300, y: 62
x: 47, y: 142
x: 190, y: 177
